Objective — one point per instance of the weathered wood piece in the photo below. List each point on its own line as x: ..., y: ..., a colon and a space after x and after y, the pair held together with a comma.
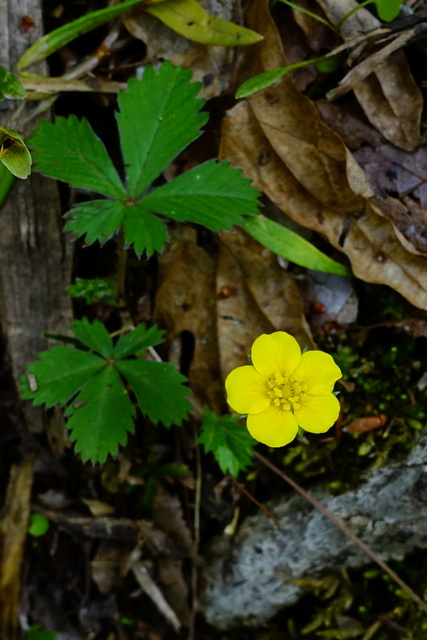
x: 34, y: 259
x: 35, y: 268
x: 388, y: 511
x: 13, y: 533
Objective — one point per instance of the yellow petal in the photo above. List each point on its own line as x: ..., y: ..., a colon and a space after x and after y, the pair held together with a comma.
x: 246, y: 390
x: 318, y: 371
x: 274, y: 353
x: 317, y: 414
x: 273, y: 426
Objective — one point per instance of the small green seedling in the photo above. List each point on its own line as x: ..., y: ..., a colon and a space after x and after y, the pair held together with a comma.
x: 159, y: 116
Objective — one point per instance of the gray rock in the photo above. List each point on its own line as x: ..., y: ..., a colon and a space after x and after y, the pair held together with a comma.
x: 247, y: 583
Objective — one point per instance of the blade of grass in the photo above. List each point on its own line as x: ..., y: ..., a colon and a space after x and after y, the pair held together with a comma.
x: 309, y: 13
x: 58, y: 38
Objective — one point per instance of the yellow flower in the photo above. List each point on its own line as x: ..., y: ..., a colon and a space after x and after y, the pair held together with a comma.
x: 284, y: 389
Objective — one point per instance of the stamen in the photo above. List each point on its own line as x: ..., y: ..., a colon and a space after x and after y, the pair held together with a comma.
x: 285, y: 392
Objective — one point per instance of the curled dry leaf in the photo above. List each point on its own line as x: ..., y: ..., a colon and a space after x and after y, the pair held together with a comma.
x: 354, y: 131
x: 185, y: 306
x: 109, y: 565
x: 279, y: 139
x: 383, y: 85
x: 392, y: 174
x: 263, y: 298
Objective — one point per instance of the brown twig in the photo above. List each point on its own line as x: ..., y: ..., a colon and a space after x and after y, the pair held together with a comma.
x: 340, y: 524
x: 196, y: 536
x: 267, y: 512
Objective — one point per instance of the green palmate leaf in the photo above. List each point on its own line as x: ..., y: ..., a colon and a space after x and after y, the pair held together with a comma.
x: 59, y: 375
x: 159, y: 116
x: 211, y: 194
x: 159, y: 390
x: 65, y: 34
x: 101, y: 416
x: 94, y: 335
x: 10, y: 87
x: 145, y: 231
x: 230, y: 442
x: 139, y: 339
x: 189, y: 19
x: 291, y: 246
x: 97, y: 219
x: 69, y: 150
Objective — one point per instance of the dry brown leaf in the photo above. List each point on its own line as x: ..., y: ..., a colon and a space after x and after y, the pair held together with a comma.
x: 210, y: 65
x: 186, y: 306
x: 98, y: 508
x: 354, y: 131
x: 319, y: 36
x: 254, y: 296
x: 383, y: 86
x: 171, y: 577
x: 280, y: 141
x: 109, y: 565
x: 168, y: 517
x: 142, y: 575
x: 391, y: 171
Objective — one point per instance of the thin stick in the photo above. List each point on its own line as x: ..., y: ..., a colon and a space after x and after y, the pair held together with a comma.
x: 196, y: 525
x: 267, y: 512
x: 340, y: 524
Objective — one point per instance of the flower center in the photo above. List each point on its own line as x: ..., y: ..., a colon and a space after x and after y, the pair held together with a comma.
x: 285, y: 392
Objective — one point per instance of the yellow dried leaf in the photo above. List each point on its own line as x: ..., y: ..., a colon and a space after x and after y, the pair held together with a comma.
x: 189, y: 19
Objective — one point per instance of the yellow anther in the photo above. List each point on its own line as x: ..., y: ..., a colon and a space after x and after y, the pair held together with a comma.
x: 280, y: 379
x: 278, y: 392
x: 286, y: 407
x: 277, y: 402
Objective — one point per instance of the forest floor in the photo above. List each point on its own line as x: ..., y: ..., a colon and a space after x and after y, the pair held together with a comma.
x: 115, y: 551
